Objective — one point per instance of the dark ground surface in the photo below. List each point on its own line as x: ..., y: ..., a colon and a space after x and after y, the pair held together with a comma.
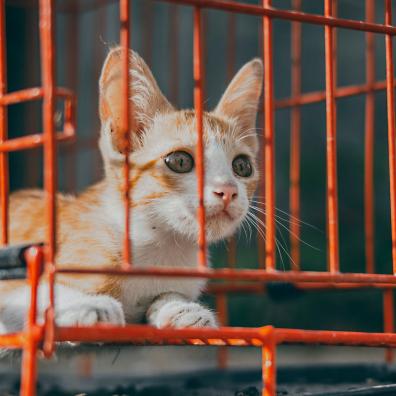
x: 325, y: 380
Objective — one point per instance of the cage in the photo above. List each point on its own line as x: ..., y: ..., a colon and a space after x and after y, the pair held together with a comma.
x: 41, y: 25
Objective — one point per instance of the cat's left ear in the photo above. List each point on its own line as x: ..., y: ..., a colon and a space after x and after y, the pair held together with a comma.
x: 241, y: 98
x: 145, y: 98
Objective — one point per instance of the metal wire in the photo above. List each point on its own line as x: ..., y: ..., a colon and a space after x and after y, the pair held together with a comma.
x: 266, y: 338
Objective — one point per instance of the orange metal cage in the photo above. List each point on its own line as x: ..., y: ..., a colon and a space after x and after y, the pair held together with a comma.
x: 35, y: 336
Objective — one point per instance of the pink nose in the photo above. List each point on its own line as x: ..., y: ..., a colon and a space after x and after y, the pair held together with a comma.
x: 226, y: 192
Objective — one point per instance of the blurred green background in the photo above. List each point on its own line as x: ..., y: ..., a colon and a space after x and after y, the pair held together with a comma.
x: 162, y: 34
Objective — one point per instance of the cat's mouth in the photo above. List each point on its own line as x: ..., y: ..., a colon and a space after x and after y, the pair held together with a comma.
x: 222, y: 214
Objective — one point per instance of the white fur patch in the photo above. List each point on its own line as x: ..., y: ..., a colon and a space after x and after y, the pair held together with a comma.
x: 177, y: 312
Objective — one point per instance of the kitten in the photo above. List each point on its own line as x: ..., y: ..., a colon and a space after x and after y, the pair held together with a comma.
x: 163, y: 209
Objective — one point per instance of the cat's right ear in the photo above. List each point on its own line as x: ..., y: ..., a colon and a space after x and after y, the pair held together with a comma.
x: 145, y: 98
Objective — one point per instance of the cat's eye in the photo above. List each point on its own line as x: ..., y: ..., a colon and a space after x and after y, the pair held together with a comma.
x: 242, y: 166
x: 179, y: 162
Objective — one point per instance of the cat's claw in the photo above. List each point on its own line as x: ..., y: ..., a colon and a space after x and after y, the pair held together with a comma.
x: 184, y: 314
x: 91, y: 310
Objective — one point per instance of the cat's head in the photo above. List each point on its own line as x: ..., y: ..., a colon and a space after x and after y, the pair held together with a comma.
x: 163, y: 142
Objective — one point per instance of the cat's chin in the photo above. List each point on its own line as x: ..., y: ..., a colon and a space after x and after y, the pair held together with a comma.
x: 217, y: 229
x: 220, y: 227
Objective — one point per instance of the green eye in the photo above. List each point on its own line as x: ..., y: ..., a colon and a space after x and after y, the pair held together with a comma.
x: 242, y: 166
x: 179, y: 162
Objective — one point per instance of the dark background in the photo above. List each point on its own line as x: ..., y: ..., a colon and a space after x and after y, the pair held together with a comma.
x: 162, y: 34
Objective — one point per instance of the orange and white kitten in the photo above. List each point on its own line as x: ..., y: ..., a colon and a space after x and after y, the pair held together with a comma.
x: 163, y: 209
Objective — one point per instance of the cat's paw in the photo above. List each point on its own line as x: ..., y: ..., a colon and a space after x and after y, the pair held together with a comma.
x: 91, y: 310
x: 184, y: 314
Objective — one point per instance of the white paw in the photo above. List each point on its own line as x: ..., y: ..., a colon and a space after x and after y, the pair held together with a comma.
x: 184, y: 314
x: 89, y: 311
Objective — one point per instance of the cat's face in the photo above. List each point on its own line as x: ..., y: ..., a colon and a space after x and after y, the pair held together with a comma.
x: 163, y: 160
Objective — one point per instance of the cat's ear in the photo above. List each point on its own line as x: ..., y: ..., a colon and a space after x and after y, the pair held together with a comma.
x: 241, y: 98
x: 146, y: 99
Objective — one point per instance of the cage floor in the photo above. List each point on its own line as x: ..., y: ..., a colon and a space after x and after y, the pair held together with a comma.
x: 324, y: 380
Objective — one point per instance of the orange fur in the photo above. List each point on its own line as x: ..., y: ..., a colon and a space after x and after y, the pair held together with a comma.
x: 89, y: 231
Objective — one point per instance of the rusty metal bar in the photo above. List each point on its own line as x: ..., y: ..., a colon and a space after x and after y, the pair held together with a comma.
x: 33, y: 172
x: 33, y: 141
x: 339, y: 93
x: 335, y: 74
x: 261, y: 193
x: 33, y: 94
x: 29, y: 359
x: 4, y: 173
x: 261, y: 163
x: 232, y: 253
x: 269, y: 367
x: 199, y: 159
x: 369, y: 143
x: 125, y: 125
x: 259, y: 288
x: 331, y: 149
x: 72, y: 79
x: 230, y: 60
x: 249, y: 9
x: 233, y: 336
x: 49, y: 94
x: 328, y: 337
x: 295, y: 144
x: 269, y: 143
x: 391, y: 127
x: 240, y: 274
x: 47, y: 52
x: 12, y: 341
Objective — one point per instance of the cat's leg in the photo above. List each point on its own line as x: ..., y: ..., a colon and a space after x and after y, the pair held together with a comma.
x: 176, y: 310
x: 72, y: 308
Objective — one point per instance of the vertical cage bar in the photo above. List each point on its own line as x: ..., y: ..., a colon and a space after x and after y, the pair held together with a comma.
x: 331, y: 149
x: 48, y: 81
x: 261, y: 248
x: 391, y: 127
x: 29, y: 357
x: 222, y: 313
x: 198, y: 105
x: 231, y: 58
x: 261, y: 162
x: 32, y: 175
x: 72, y: 78
x: 4, y: 187
x: 125, y: 123
x: 334, y: 13
x: 232, y: 252
x: 269, y: 369
x: 47, y: 52
x: 295, y: 144
x: 261, y: 194
x: 389, y: 320
x: 101, y: 23
x: 269, y: 143
x: 369, y: 143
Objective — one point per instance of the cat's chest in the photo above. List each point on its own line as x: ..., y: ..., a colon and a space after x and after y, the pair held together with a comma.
x: 137, y: 293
